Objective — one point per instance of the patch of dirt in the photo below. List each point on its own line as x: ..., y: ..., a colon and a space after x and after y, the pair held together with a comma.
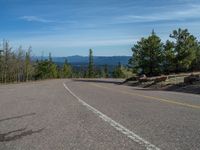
x: 165, y: 86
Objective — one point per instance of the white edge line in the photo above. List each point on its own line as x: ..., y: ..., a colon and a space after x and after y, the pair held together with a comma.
x: 117, y: 126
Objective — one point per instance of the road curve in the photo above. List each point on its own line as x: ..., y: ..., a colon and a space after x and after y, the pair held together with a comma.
x: 96, y: 114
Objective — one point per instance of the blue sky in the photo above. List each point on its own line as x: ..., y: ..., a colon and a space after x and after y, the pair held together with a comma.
x: 109, y: 27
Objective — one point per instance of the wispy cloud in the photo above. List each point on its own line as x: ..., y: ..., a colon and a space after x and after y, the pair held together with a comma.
x: 68, y: 42
x: 35, y: 19
x: 81, y: 24
x: 188, y: 12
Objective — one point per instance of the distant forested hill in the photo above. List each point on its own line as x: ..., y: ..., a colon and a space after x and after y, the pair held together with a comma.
x: 83, y: 60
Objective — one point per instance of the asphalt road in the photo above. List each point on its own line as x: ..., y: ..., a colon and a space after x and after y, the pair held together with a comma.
x: 96, y: 114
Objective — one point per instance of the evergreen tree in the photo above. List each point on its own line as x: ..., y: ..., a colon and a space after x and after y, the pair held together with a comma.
x: 50, y: 58
x: 118, y: 73
x: 52, y: 68
x: 1, y: 65
x: 147, y: 55
x: 42, y: 69
x: 28, y: 66
x: 53, y: 72
x: 196, y: 61
x: 91, y: 64
x: 6, y: 61
x: 106, y: 71
x: 46, y: 69
x: 67, y: 70
x: 20, y: 64
x: 186, y: 46
x: 169, y: 57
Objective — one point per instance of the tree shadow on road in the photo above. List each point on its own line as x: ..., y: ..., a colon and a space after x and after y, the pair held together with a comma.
x: 99, y: 81
x: 17, y: 117
x: 17, y: 134
x: 147, y: 87
x: 174, y: 88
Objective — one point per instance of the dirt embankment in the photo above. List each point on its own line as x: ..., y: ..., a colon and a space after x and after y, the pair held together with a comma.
x: 185, y: 82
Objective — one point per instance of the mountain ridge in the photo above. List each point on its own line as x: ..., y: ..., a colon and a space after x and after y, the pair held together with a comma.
x: 98, y: 60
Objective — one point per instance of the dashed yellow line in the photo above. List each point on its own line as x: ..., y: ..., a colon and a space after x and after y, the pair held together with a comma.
x: 152, y: 97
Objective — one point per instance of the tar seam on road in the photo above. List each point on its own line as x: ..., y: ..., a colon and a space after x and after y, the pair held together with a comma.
x: 117, y: 126
x: 154, y: 98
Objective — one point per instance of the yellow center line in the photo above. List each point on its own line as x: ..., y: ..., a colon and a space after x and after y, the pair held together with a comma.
x: 151, y: 97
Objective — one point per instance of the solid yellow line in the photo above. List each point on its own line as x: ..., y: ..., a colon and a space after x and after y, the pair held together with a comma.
x: 151, y: 97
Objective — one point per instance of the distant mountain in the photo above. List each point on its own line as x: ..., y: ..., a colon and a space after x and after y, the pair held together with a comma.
x: 98, y: 60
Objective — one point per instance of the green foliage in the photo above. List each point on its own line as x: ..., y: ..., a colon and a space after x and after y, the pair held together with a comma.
x: 28, y: 65
x: 103, y: 73
x: 147, y: 55
x: 42, y: 69
x: 169, y: 57
x: 91, y: 72
x: 118, y: 73
x: 106, y: 72
x: 18, y: 66
x: 46, y: 70
x: 127, y: 72
x: 20, y: 69
x: 53, y: 72
x: 151, y: 57
x: 66, y: 70
x: 8, y: 62
x: 196, y: 61
x: 185, y: 48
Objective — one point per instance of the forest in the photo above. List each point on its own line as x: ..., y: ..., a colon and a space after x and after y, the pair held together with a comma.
x: 18, y: 66
x: 179, y: 54
x: 151, y: 57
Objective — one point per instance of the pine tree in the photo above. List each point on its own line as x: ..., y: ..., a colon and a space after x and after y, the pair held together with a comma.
x: 186, y: 46
x: 6, y: 61
x: 52, y: 68
x: 28, y: 64
x: 91, y: 64
x: 20, y: 64
x: 67, y: 70
x: 147, y: 55
x: 169, y: 57
x: 106, y: 71
x: 1, y: 65
x: 118, y: 73
x: 196, y: 61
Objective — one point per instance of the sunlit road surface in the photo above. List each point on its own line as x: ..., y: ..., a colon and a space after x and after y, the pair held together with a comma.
x: 96, y: 114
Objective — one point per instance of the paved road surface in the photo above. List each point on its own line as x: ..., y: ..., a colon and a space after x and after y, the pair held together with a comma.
x: 97, y: 114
